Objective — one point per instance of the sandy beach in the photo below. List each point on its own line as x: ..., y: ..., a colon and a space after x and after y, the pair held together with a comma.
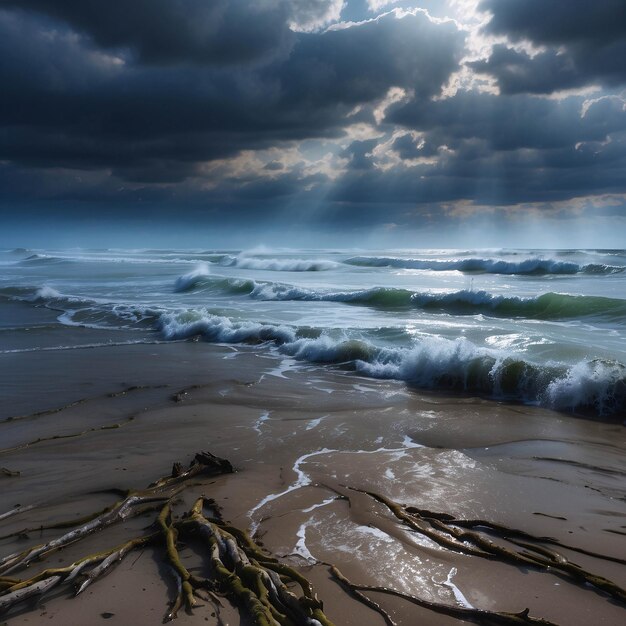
x: 313, y: 313
x: 310, y: 446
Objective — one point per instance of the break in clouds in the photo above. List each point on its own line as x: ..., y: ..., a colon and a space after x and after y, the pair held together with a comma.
x: 371, y: 113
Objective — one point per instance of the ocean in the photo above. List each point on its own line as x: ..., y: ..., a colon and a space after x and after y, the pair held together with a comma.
x: 538, y: 327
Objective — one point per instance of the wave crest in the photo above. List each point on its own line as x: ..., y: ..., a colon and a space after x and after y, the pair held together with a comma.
x: 529, y: 267
x: 546, y: 306
x: 465, y: 302
x: 597, y: 387
x: 191, y: 280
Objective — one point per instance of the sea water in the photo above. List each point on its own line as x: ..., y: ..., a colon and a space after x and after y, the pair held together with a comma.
x: 543, y: 327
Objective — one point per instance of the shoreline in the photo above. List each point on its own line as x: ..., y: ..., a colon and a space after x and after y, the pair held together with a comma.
x: 158, y: 403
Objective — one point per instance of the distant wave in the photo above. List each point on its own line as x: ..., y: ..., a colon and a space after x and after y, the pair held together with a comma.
x: 54, y: 299
x: 279, y: 265
x: 44, y: 295
x: 613, y: 252
x: 43, y: 259
x: 88, y: 312
x: 121, y: 316
x: 592, y: 386
x: 546, y: 306
x: 536, y: 267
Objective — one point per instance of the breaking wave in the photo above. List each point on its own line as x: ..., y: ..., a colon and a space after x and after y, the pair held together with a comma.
x: 46, y: 295
x: 191, y: 280
x: 530, y: 267
x: 546, y: 306
x: 87, y: 312
x: 594, y: 386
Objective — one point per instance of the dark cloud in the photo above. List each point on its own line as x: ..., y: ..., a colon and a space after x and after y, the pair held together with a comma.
x: 360, y: 63
x: 491, y: 179
x: 494, y: 150
x: 241, y: 109
x: 558, y: 21
x: 555, y: 70
x: 214, y: 32
x: 507, y: 123
x: 585, y: 44
x: 176, y: 31
x: 518, y: 72
x: 68, y: 104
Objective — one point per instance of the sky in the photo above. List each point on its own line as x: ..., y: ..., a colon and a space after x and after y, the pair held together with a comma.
x: 313, y: 123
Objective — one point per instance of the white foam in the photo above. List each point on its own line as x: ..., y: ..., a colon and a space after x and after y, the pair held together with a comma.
x: 408, y: 443
x: 458, y: 595
x: 319, y: 504
x: 284, y: 366
x: 302, y: 480
x: 46, y: 293
x: 49, y: 295
x: 588, y: 383
x: 264, y: 417
x: 315, y: 422
x: 301, y: 548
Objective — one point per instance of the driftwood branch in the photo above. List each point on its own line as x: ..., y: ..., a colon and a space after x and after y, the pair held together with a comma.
x: 475, y: 537
x: 238, y: 568
x: 269, y: 592
x: 488, y: 618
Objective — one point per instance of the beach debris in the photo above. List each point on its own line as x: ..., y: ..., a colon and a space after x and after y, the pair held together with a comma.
x: 16, y: 510
x: 5, y: 471
x: 476, y: 538
x: 239, y: 569
x: 487, y: 618
x: 28, y: 444
x: 269, y: 592
x: 558, y: 517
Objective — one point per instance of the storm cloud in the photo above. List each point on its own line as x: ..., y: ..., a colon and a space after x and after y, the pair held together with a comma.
x: 585, y: 43
x: 346, y: 110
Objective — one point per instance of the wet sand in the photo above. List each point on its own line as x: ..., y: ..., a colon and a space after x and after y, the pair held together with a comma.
x: 304, y: 439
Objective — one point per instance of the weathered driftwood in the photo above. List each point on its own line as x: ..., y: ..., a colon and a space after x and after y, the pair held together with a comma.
x: 28, y: 444
x: 488, y: 618
x: 239, y: 569
x: 269, y: 592
x: 474, y: 537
